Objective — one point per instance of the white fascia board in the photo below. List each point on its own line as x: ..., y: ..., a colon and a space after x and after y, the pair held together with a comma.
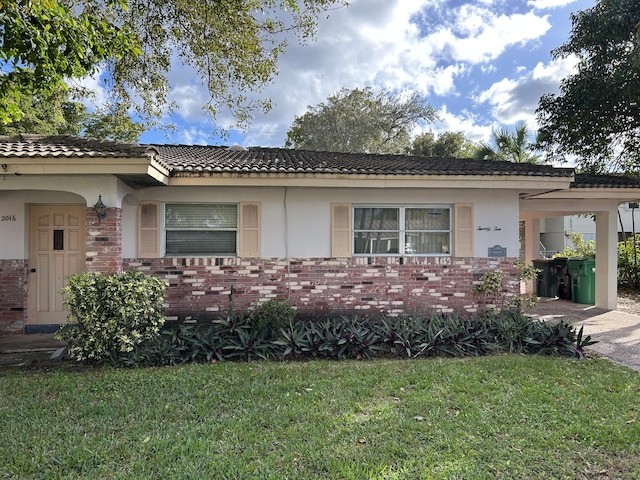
x: 613, y: 193
x: 509, y: 182
x: 71, y: 166
x: 158, y: 172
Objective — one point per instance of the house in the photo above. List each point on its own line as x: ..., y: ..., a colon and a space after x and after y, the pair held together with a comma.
x: 332, y: 233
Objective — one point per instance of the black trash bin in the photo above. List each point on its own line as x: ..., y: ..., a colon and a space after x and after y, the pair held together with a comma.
x: 563, y: 279
x: 546, y: 284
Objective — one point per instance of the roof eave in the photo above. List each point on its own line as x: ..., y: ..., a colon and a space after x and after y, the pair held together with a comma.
x: 516, y: 182
x: 136, y: 171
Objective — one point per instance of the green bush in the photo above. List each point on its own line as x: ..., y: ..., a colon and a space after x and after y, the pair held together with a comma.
x: 581, y: 248
x: 270, y: 317
x: 492, y: 286
x: 629, y: 263
x: 111, y: 314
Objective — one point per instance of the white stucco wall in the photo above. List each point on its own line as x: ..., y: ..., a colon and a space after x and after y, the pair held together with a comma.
x: 295, y: 221
x: 14, y: 222
x: 305, y: 229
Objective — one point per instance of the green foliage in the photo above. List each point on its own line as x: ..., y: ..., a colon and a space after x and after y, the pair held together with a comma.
x: 526, y: 271
x: 595, y: 119
x: 447, y: 144
x: 517, y: 146
x: 112, y: 122
x: 492, y: 286
x: 581, y: 248
x: 360, y: 121
x: 50, y: 113
x: 45, y: 42
x: 233, y: 47
x: 629, y: 263
x: 236, y: 338
x: 270, y: 317
x: 61, y: 112
x: 111, y: 314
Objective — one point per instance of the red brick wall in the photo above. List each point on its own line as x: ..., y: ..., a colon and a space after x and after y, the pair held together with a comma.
x: 104, y: 241
x: 13, y: 295
x: 199, y: 288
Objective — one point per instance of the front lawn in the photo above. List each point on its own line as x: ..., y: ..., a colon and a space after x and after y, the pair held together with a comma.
x: 509, y: 416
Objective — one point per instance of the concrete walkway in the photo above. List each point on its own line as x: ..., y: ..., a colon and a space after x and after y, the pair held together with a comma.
x: 26, y: 350
x: 617, y: 333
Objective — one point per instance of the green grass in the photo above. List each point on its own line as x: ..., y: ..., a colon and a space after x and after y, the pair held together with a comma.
x: 491, y: 417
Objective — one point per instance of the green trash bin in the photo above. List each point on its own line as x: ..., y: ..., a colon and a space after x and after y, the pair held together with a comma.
x: 546, y: 284
x: 583, y: 280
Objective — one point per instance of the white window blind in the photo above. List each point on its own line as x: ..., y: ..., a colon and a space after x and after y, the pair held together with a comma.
x: 201, y: 229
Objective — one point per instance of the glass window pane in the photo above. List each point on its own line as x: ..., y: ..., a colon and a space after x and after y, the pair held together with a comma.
x: 201, y: 216
x: 375, y: 219
x: 375, y: 242
x: 427, y: 243
x: 200, y: 242
x: 427, y: 219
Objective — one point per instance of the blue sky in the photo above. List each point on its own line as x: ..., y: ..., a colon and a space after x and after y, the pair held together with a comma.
x: 482, y: 64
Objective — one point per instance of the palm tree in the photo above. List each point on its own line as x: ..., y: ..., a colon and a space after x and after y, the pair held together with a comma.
x: 510, y: 146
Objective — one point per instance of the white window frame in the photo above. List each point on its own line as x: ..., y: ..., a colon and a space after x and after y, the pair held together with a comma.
x: 191, y: 255
x: 402, y: 231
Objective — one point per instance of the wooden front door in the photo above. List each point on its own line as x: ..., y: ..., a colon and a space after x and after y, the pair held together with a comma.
x: 56, y: 250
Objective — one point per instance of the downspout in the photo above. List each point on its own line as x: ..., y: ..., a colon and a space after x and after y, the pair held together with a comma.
x: 286, y: 241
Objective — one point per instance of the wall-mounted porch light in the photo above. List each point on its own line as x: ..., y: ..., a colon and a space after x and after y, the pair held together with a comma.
x: 100, y: 209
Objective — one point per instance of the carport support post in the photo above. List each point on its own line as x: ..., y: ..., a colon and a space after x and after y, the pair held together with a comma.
x: 531, y: 246
x: 607, y: 259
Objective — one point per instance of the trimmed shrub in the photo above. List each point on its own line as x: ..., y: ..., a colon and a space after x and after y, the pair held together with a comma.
x: 111, y: 314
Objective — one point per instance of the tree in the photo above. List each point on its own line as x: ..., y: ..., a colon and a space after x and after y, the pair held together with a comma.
x: 360, y: 120
x: 60, y: 113
x: 447, y: 144
x: 596, y: 115
x: 233, y: 45
x: 112, y: 123
x: 44, y: 42
x: 516, y: 146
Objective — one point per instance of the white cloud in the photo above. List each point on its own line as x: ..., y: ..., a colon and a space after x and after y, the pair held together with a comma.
x: 193, y: 136
x: 464, y: 122
x: 445, y: 52
x: 377, y: 43
x: 545, y: 4
x: 513, y: 100
x: 477, y: 34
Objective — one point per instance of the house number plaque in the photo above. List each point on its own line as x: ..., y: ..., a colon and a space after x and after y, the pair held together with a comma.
x: 7, y: 218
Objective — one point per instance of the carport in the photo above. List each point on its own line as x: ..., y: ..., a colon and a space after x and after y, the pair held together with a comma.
x: 598, y: 195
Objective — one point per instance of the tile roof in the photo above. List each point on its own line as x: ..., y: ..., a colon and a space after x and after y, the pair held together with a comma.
x: 197, y: 160
x: 605, y: 181
x: 187, y: 160
x: 66, y: 146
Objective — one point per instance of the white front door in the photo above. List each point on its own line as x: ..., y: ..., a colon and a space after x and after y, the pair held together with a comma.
x: 56, y: 250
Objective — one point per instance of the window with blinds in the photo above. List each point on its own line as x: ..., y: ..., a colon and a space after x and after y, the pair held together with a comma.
x: 206, y: 229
